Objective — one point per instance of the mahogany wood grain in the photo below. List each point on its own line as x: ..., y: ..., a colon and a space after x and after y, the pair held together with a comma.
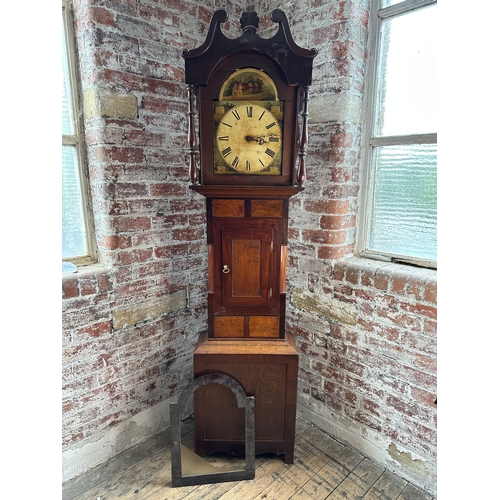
x: 267, y: 208
x: 228, y: 208
x: 251, y: 252
x: 283, y: 269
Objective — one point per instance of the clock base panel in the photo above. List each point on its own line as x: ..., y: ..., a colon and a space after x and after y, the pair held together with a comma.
x: 267, y: 370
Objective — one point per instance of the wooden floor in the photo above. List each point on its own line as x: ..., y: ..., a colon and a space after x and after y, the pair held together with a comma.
x: 323, y: 469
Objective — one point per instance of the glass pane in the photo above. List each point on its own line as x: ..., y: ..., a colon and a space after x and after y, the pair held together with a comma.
x: 74, y: 237
x: 407, y: 74
x: 404, y: 210
x: 388, y: 3
x: 67, y: 104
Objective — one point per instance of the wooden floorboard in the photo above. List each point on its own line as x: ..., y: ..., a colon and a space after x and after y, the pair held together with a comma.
x: 324, y: 469
x: 358, y: 482
x: 388, y: 485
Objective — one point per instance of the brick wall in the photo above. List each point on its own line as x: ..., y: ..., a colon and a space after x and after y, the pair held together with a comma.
x: 368, y: 361
x: 130, y: 323
x: 366, y: 330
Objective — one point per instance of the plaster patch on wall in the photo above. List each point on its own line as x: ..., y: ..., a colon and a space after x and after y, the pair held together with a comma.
x: 104, y: 102
x: 148, y: 311
x: 414, y: 466
x: 324, y: 306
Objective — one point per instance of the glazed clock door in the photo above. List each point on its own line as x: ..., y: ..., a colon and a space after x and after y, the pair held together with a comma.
x: 249, y: 301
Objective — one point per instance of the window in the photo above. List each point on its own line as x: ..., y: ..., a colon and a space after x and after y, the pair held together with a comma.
x: 77, y: 244
x: 399, y: 205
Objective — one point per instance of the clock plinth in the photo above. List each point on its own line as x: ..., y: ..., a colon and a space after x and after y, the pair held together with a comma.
x: 267, y: 370
x: 252, y: 96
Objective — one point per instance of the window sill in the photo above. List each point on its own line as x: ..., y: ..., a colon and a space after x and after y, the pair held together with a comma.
x: 431, y: 264
x: 390, y: 277
x: 80, y: 261
x: 90, y: 279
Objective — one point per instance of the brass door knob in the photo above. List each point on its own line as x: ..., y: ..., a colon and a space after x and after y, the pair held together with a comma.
x: 225, y: 269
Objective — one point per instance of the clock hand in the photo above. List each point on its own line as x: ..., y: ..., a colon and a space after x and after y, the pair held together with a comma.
x: 260, y: 140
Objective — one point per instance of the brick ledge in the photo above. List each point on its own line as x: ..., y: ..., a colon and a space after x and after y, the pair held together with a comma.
x: 390, y: 277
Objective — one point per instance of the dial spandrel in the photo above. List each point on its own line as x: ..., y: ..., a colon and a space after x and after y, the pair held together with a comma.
x: 248, y: 139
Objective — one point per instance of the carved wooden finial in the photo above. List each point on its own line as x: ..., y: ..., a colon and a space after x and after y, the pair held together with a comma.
x: 249, y: 21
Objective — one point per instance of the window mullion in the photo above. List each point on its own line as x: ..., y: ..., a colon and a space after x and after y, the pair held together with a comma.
x: 401, y: 140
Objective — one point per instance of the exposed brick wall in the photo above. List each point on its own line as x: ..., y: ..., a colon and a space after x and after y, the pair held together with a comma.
x: 366, y: 330
x: 369, y: 350
x: 112, y: 370
x: 130, y: 323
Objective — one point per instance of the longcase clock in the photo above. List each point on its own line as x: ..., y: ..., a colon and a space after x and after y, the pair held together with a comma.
x: 251, y: 96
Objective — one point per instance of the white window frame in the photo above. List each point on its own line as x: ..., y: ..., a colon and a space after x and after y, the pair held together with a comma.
x: 78, y: 138
x: 370, y: 141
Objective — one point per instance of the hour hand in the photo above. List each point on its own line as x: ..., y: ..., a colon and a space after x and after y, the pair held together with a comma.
x: 262, y: 139
x: 259, y: 140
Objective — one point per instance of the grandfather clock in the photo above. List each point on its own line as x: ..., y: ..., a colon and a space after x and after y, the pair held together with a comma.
x: 252, y: 98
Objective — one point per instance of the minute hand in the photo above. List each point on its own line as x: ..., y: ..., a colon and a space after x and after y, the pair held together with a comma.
x: 262, y: 139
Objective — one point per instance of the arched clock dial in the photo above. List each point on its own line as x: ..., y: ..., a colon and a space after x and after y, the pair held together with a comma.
x: 249, y: 138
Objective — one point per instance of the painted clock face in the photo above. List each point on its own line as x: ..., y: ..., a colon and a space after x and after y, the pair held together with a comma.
x: 248, y: 138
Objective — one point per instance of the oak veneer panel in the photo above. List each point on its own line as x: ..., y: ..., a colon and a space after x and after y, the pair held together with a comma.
x: 229, y: 326
x: 267, y: 208
x: 246, y: 269
x: 228, y: 208
x: 264, y: 326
